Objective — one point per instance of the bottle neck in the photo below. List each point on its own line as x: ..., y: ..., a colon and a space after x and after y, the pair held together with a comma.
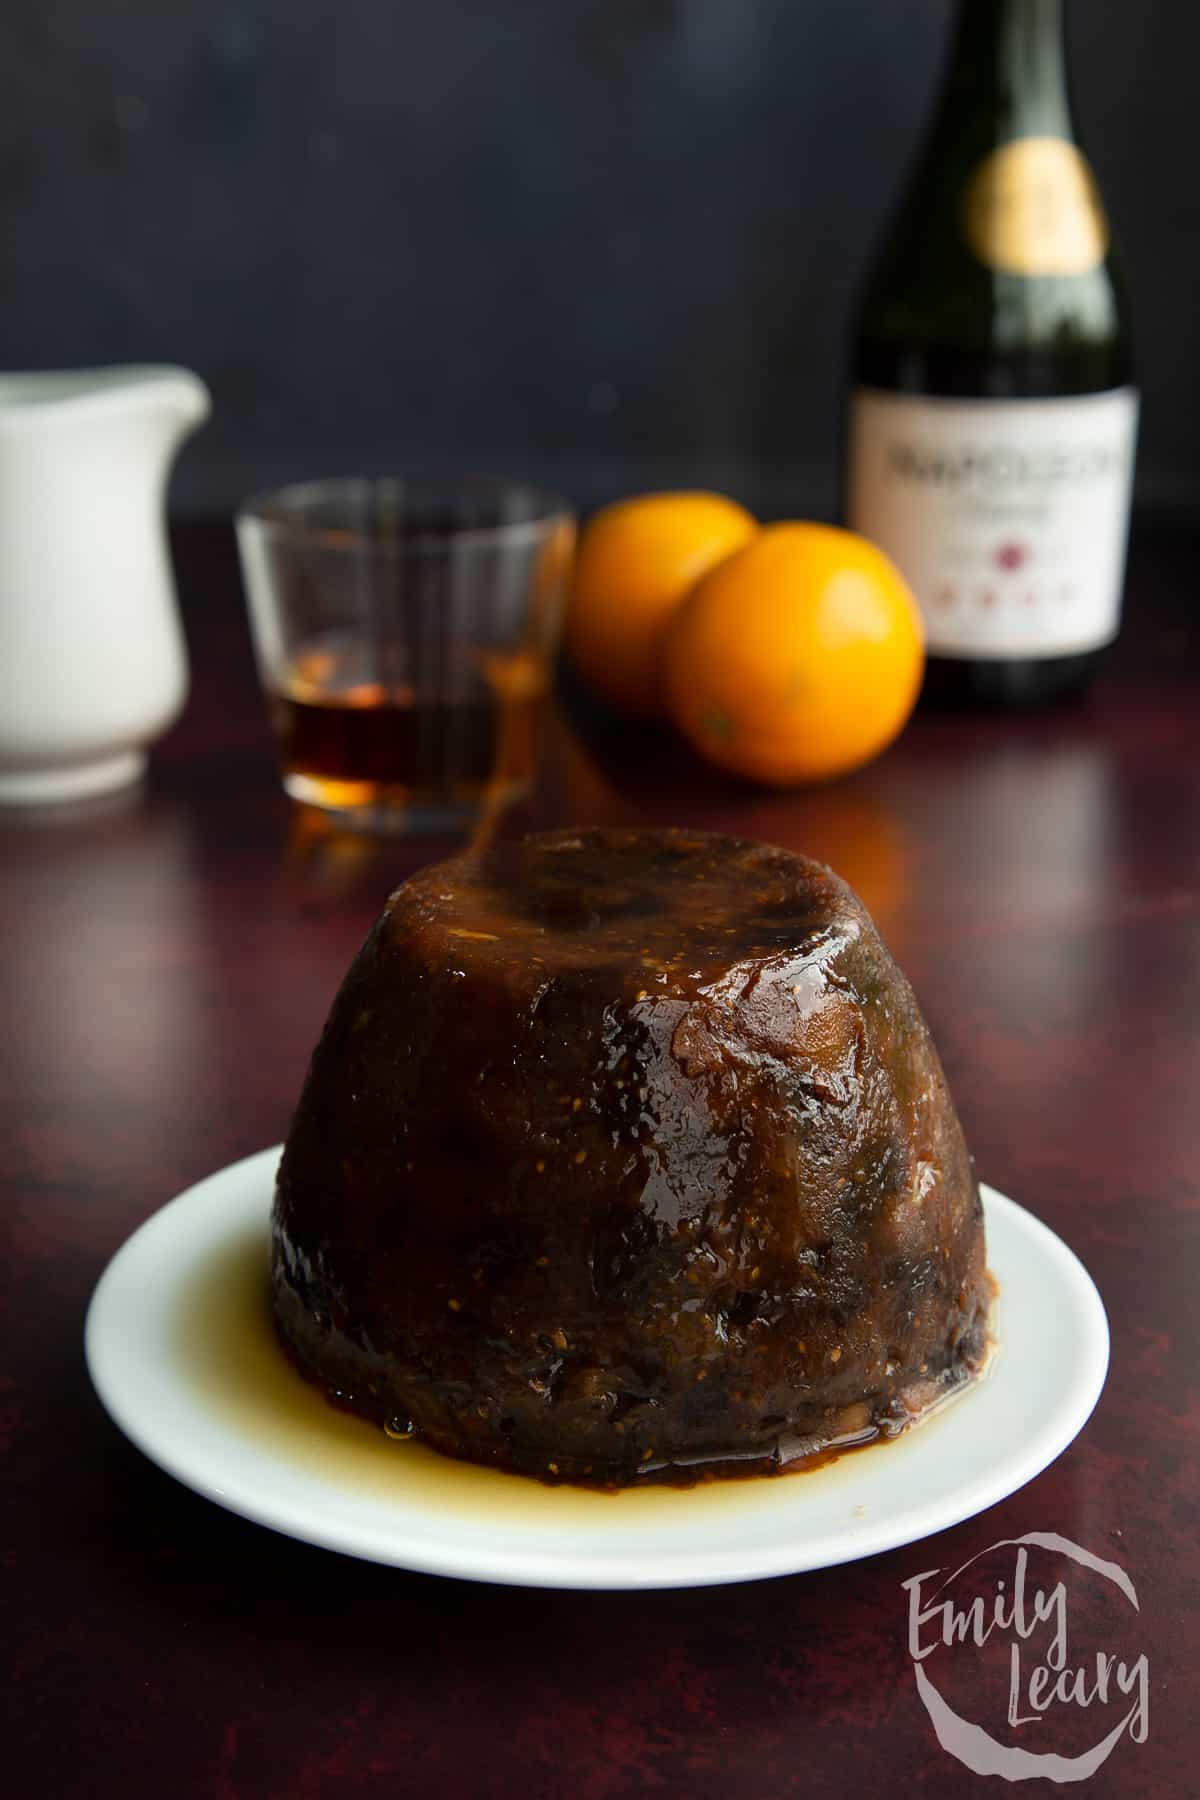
x: 1008, y: 56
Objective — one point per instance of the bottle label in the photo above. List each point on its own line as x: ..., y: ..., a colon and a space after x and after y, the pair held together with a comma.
x: 1008, y: 518
x: 1033, y: 208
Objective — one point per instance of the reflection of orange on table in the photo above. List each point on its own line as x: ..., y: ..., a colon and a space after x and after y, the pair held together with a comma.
x: 866, y: 843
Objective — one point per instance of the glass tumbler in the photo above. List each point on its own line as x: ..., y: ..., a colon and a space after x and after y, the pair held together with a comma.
x: 405, y: 630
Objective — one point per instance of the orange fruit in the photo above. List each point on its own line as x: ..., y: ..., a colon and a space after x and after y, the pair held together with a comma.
x: 797, y: 659
x: 636, y: 561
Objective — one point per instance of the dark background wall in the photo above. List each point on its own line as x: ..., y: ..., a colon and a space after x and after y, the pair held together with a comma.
x: 605, y: 243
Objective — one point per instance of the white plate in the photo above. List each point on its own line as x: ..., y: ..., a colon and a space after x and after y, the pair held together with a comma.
x: 181, y: 1351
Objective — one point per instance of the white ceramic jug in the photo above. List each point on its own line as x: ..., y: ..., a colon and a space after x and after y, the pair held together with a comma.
x: 92, y: 658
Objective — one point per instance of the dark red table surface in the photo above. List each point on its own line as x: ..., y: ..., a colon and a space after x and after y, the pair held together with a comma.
x: 167, y: 960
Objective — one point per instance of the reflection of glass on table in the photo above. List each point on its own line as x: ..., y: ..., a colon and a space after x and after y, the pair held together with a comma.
x: 404, y: 636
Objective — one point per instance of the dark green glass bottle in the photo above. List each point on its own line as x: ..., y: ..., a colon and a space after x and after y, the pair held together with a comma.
x: 993, y: 416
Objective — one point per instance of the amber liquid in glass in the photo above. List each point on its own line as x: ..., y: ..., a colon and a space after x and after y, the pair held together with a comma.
x: 349, y: 740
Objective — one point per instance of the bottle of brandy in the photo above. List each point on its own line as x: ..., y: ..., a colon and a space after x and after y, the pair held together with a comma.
x: 993, y: 417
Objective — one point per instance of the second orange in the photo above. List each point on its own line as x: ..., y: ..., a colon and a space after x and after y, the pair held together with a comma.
x: 636, y: 561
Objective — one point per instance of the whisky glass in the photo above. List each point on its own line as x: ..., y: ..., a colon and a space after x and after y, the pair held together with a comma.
x: 405, y: 630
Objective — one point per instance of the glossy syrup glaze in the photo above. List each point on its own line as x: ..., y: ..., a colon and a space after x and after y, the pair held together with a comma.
x: 627, y: 1155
